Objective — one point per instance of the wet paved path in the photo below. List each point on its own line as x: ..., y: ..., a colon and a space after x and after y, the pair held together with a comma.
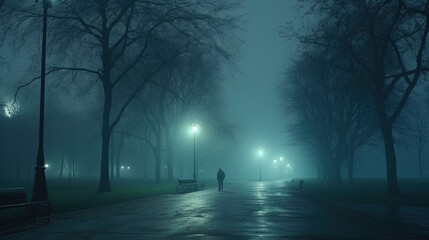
x: 254, y: 210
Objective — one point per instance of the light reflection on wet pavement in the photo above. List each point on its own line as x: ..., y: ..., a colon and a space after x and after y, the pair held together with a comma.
x: 245, y: 210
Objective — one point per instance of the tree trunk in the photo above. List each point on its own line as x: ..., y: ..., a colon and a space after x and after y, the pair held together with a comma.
x: 169, y: 154
x: 420, y: 149
x: 112, y: 156
x: 157, y: 155
x: 62, y: 162
x: 334, y: 173
x: 350, y: 167
x: 104, y: 185
x: 144, y: 167
x: 389, y: 147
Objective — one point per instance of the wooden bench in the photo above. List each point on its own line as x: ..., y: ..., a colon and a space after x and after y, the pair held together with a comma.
x: 296, y: 185
x: 188, y: 185
x: 16, y: 197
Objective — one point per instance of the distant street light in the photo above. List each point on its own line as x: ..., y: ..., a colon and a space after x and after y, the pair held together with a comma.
x: 40, y: 190
x: 260, y: 152
x: 46, y: 165
x: 194, y: 130
x: 275, y: 167
x: 122, y: 167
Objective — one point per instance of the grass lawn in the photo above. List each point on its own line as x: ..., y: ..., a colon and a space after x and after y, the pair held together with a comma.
x: 414, y: 192
x: 69, y: 195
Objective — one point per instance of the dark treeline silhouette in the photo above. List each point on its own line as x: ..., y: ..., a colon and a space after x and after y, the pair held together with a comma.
x: 381, y: 46
x: 129, y: 56
x: 330, y: 116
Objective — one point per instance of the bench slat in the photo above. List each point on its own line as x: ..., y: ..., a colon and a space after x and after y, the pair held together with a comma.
x: 16, y: 197
x: 12, y: 196
x: 187, y: 180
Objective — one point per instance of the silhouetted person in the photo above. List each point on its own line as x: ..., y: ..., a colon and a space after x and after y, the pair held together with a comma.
x: 220, y: 177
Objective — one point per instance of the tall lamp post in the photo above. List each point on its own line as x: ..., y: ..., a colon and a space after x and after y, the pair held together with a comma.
x: 194, y: 130
x: 260, y: 152
x: 40, y: 190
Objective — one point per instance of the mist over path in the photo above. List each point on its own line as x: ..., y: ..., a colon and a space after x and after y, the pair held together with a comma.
x: 245, y: 210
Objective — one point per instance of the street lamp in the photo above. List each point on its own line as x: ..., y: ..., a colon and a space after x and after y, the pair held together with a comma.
x: 275, y: 167
x: 40, y: 190
x: 260, y: 152
x: 194, y: 130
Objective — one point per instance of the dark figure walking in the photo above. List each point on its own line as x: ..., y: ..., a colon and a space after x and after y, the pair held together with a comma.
x: 220, y: 177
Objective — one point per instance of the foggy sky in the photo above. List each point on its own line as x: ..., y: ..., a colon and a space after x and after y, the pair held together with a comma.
x: 252, y: 96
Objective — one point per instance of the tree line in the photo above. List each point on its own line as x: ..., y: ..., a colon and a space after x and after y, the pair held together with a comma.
x: 149, y: 63
x: 359, y: 66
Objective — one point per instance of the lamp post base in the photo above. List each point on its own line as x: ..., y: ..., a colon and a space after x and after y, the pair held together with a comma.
x: 40, y: 190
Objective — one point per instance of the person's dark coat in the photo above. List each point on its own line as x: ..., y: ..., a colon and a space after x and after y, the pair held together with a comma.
x: 220, y: 175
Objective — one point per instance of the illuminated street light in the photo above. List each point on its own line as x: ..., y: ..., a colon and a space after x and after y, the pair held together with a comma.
x: 275, y: 167
x: 122, y: 167
x: 46, y: 165
x: 194, y: 130
x: 260, y: 152
x: 40, y: 190
x: 128, y: 167
x: 281, y: 159
x: 8, y: 110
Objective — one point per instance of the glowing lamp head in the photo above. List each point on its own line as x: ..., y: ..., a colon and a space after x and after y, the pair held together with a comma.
x: 194, y: 128
x: 281, y: 159
x: 46, y: 165
x: 9, y: 110
x: 128, y: 167
x: 122, y: 167
x: 275, y: 161
x: 260, y: 152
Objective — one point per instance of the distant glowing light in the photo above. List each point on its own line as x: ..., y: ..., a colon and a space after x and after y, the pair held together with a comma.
x: 9, y: 110
x: 128, y: 167
x: 288, y: 165
x: 260, y: 152
x: 194, y: 128
x: 281, y: 159
x: 275, y: 161
x: 46, y: 165
x: 122, y: 167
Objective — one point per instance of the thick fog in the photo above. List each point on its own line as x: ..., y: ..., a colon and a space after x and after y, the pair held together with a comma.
x: 238, y: 102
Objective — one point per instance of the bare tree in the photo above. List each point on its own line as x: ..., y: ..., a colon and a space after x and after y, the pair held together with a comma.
x: 418, y: 129
x: 383, y: 44
x: 330, y: 117
x: 115, y: 36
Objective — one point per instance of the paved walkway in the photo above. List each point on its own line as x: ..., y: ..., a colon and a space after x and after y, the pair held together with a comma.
x: 255, y: 210
x: 415, y: 219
